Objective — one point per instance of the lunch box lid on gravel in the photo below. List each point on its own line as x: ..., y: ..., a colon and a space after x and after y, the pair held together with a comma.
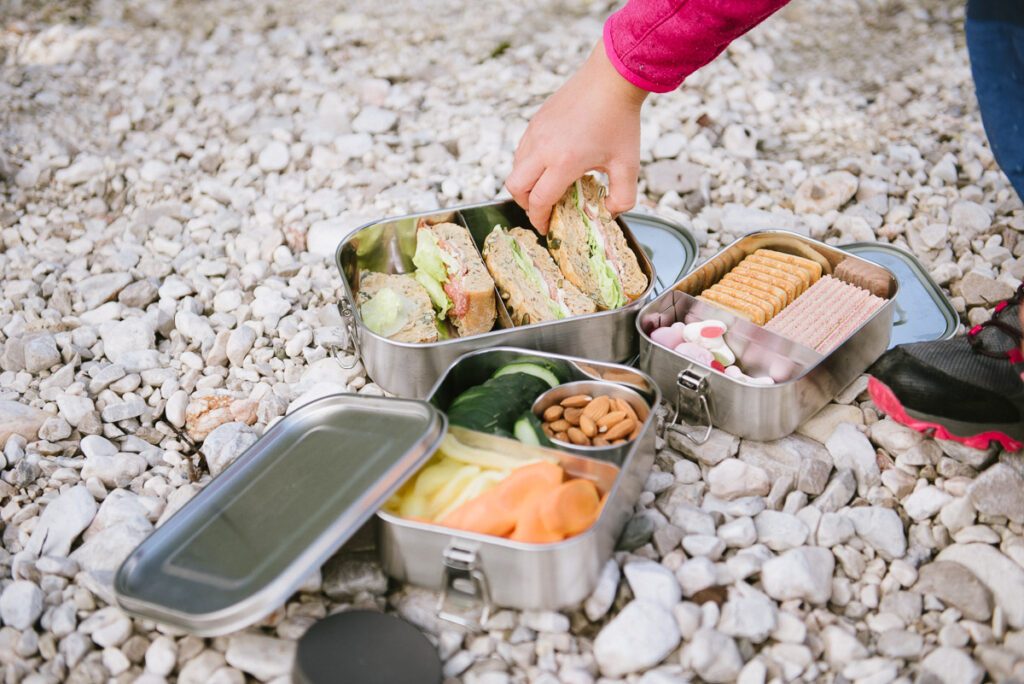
x: 922, y: 312
x: 669, y: 246
x: 253, y: 535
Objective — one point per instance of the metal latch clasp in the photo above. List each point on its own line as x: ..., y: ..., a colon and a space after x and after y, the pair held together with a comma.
x: 692, y: 399
x: 465, y: 585
x: 352, y: 350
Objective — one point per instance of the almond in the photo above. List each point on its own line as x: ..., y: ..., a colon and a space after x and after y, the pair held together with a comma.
x: 624, y: 406
x: 553, y: 413
x: 597, y: 409
x: 576, y: 436
x: 573, y: 416
x: 613, y: 418
x: 560, y: 425
x: 601, y: 441
x: 576, y: 401
x: 562, y: 436
x: 587, y: 425
x: 620, y: 430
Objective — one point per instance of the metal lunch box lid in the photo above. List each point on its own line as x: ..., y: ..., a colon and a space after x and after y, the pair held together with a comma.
x: 922, y: 312
x: 248, y: 540
x: 670, y: 247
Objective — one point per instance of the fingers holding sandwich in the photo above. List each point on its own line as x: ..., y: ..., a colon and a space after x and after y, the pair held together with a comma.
x: 591, y: 123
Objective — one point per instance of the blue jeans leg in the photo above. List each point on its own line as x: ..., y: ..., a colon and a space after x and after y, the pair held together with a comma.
x: 995, y: 43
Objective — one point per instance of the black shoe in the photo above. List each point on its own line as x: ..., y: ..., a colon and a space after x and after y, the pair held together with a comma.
x: 969, y: 389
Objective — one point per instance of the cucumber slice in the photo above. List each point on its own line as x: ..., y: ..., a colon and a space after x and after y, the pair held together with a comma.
x: 528, y: 430
x: 524, y: 432
x: 530, y: 369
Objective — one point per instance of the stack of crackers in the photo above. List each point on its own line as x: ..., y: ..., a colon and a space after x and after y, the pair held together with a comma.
x: 763, y: 284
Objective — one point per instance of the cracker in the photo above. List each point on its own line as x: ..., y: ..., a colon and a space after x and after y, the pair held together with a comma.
x: 793, y: 285
x: 775, y: 294
x: 744, y: 309
x: 803, y: 275
x: 753, y: 298
x: 812, y: 268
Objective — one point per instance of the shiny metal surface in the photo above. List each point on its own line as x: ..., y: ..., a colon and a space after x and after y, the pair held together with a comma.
x: 761, y: 412
x: 517, y: 575
x: 245, y: 543
x: 594, y: 388
x: 410, y: 369
x: 922, y: 312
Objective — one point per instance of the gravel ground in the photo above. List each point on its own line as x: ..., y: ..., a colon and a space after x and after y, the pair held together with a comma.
x: 174, y: 177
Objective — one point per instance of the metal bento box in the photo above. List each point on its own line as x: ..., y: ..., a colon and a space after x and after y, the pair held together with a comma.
x: 807, y: 380
x: 249, y: 539
x: 410, y: 369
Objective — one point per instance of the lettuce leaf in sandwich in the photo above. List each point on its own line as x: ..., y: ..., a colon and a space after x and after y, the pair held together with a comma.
x: 608, y: 280
x: 432, y: 265
x: 526, y: 265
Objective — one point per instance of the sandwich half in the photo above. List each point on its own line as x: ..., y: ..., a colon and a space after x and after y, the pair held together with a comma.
x: 396, y: 307
x: 533, y: 288
x: 449, y: 266
x: 591, y: 250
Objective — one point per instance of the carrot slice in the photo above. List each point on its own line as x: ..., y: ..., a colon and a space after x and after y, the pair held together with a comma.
x: 531, y: 529
x: 497, y: 510
x: 571, y: 508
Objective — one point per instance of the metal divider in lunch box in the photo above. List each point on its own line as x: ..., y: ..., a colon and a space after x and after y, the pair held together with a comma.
x: 475, y: 572
x: 761, y: 412
x: 239, y: 548
x: 410, y: 369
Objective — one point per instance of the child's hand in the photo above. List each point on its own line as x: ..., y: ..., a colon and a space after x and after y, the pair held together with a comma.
x: 591, y: 123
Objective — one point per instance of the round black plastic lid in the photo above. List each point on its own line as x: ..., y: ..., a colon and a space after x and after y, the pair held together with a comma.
x: 365, y: 647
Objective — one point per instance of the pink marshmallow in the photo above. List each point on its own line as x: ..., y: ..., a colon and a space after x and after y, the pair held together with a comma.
x: 669, y: 337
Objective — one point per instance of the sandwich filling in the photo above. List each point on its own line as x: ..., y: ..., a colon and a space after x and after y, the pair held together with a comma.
x: 386, y: 312
x: 554, y: 296
x: 602, y: 258
x: 441, y: 268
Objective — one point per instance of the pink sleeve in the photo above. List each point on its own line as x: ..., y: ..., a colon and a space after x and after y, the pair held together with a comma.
x: 655, y: 44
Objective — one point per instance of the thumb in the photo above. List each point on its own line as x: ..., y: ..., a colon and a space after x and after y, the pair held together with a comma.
x: 622, y: 194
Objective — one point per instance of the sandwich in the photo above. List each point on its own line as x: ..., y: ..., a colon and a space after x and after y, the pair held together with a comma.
x: 590, y: 249
x: 396, y: 307
x: 449, y: 267
x: 533, y: 288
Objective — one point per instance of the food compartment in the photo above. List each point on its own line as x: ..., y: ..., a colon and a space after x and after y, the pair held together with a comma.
x: 389, y: 248
x: 813, y: 295
x: 589, y: 414
x: 476, y: 572
x: 492, y: 486
x: 487, y: 392
x: 759, y: 356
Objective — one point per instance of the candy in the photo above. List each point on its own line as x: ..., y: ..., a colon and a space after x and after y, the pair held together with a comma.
x: 695, y: 352
x: 670, y: 337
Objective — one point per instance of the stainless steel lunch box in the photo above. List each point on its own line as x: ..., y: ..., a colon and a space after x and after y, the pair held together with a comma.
x: 246, y: 542
x: 490, y: 571
x: 709, y: 398
x: 409, y: 369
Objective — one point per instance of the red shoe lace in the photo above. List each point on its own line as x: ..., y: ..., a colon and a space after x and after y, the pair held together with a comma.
x: 1013, y: 354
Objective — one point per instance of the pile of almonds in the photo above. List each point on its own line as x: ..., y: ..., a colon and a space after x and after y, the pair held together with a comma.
x: 585, y: 421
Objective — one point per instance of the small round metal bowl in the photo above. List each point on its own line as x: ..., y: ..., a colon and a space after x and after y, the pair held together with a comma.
x: 594, y: 389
